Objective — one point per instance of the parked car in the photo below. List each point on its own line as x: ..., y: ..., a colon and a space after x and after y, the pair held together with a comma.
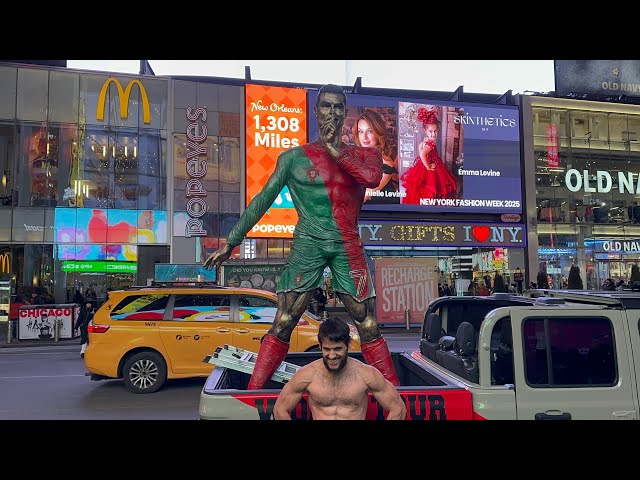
x: 146, y: 335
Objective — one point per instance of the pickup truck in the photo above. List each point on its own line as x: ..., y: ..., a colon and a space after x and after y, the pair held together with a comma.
x: 548, y: 355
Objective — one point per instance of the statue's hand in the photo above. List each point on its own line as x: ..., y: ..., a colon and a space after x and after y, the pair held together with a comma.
x: 334, y: 151
x: 217, y: 257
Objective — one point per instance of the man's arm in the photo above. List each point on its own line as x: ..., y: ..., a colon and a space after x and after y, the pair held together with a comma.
x: 291, y: 394
x: 385, y: 393
x: 261, y: 202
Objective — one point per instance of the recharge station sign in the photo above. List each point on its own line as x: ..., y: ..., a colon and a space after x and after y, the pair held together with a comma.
x: 276, y: 120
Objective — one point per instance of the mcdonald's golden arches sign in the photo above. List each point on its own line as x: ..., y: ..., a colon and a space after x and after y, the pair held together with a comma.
x: 5, y: 262
x: 123, y: 95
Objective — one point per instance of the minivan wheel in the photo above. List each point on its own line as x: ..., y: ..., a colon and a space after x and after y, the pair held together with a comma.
x: 145, y: 372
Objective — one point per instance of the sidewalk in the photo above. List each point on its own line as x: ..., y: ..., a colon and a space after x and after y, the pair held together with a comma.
x: 32, y: 343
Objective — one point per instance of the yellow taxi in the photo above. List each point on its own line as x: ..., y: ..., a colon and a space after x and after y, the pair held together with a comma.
x: 146, y: 335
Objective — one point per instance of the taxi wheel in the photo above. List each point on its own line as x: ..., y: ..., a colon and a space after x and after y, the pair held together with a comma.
x: 145, y: 372
x: 315, y: 349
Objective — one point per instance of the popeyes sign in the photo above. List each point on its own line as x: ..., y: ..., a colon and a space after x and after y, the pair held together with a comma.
x: 383, y: 233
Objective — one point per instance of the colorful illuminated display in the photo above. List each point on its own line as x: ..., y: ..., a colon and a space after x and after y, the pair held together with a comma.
x: 94, y: 225
x: 475, y: 147
x: 276, y: 120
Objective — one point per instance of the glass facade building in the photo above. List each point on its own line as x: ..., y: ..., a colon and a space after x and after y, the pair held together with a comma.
x: 582, y: 160
x: 84, y: 179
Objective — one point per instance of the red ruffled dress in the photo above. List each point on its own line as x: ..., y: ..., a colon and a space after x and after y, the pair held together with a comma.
x: 419, y: 182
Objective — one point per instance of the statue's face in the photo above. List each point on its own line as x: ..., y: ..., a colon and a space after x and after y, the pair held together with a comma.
x: 330, y: 111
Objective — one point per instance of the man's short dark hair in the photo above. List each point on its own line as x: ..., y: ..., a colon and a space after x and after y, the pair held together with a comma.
x: 331, y: 88
x: 334, y: 329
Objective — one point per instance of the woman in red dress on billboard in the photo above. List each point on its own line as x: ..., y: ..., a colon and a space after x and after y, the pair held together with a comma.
x: 428, y: 177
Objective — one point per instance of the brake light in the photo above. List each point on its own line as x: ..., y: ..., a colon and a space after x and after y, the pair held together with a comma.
x: 97, y: 328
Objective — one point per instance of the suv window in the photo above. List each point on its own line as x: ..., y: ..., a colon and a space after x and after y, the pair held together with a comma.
x: 141, y: 307
x: 201, y: 308
x: 256, y: 309
x: 472, y: 312
x: 569, y: 352
x: 502, y: 353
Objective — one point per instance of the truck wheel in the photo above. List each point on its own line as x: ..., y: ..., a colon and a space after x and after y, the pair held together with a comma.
x: 145, y: 372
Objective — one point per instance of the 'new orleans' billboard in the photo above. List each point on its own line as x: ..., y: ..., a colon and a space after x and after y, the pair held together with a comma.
x: 276, y: 120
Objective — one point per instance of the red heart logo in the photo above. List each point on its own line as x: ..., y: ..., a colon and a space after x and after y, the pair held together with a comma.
x: 481, y: 233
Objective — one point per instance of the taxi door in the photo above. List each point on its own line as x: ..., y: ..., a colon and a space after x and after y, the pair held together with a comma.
x: 255, y: 317
x: 196, y: 325
x: 571, y: 364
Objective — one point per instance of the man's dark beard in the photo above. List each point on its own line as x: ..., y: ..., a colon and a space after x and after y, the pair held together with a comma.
x: 343, y: 362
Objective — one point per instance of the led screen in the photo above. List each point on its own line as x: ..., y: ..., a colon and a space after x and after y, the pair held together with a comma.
x: 438, y: 156
x: 126, y: 253
x: 95, y: 225
x: 183, y: 273
x: 275, y: 121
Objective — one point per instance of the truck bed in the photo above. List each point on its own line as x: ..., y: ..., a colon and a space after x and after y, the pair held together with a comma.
x: 428, y: 395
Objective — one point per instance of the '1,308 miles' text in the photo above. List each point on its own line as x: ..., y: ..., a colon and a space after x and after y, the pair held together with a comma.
x: 265, y: 135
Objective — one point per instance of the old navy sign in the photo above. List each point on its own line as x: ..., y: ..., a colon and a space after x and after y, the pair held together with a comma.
x: 616, y: 246
x: 440, y: 234
x: 602, y: 181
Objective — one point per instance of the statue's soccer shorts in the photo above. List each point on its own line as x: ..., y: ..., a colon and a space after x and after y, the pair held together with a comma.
x: 308, y: 258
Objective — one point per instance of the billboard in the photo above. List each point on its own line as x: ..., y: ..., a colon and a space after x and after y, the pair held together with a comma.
x: 94, y: 266
x: 261, y: 276
x: 404, y: 284
x: 123, y: 253
x: 597, y: 77
x: 95, y: 225
x: 37, y: 321
x: 441, y: 234
x: 167, y: 272
x: 438, y: 156
x: 276, y: 120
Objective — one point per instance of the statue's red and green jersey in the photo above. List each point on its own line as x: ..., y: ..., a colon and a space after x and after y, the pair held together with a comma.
x: 327, y: 194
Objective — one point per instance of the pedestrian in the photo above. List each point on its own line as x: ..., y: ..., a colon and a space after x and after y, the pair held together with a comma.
x: 13, y: 313
x: 82, y: 324
x: 337, y: 385
x: 321, y: 300
x: 78, y: 298
x: 37, y: 298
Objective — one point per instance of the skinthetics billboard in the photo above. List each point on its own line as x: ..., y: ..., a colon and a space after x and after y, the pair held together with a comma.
x: 438, y: 156
x: 276, y: 120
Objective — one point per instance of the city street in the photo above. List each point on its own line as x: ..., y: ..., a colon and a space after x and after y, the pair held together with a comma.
x: 49, y: 383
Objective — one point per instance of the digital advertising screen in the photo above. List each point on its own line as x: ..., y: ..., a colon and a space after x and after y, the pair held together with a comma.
x: 165, y: 272
x: 95, y: 225
x: 437, y: 156
x: 276, y: 120
x: 124, y: 253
